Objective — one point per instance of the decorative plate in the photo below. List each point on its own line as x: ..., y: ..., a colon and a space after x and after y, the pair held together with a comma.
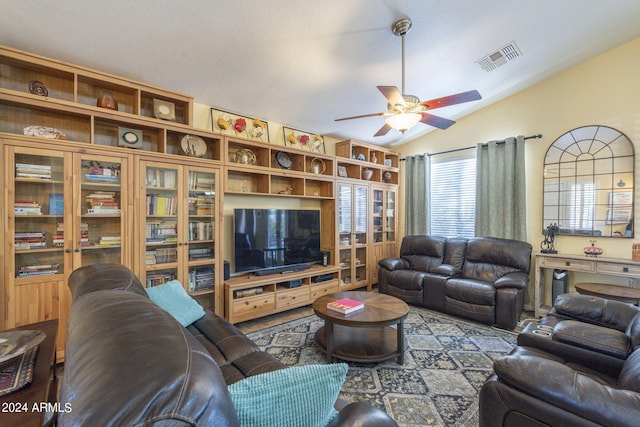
x: 164, y: 110
x: 193, y: 146
x: 284, y: 159
x: 131, y: 138
x: 15, y: 343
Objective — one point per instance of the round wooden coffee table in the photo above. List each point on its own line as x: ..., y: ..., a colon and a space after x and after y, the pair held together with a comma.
x: 365, y: 335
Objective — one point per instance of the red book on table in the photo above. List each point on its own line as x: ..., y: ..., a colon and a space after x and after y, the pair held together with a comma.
x: 345, y: 305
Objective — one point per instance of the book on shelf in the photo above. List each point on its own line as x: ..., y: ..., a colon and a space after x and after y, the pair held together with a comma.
x: 345, y: 305
x: 56, y: 204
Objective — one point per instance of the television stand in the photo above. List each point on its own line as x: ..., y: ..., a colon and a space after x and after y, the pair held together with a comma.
x: 252, y: 296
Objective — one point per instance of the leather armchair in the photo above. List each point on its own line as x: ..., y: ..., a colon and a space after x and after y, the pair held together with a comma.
x: 592, y: 331
x: 535, y: 388
x: 579, y: 366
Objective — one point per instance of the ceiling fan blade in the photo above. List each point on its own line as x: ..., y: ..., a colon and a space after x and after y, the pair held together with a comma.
x: 359, y: 117
x: 383, y: 130
x: 393, y: 95
x: 459, y: 98
x: 436, y: 121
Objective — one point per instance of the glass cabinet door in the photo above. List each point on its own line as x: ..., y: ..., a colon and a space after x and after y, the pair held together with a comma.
x: 345, y: 207
x: 201, y: 231
x: 38, y: 205
x: 161, y: 225
x: 390, y: 217
x: 101, y: 228
x: 361, y: 224
x: 378, y: 207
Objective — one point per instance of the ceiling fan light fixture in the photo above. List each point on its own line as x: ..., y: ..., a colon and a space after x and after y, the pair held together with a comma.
x: 403, y: 122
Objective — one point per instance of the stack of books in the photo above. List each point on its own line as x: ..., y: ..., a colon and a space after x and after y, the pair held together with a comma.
x: 161, y: 256
x: 38, y: 270
x: 110, y: 240
x: 155, y: 279
x: 345, y: 305
x: 29, y: 240
x: 102, y: 203
x: 58, y: 236
x: 201, y: 181
x: 200, y: 230
x: 101, y: 174
x: 201, y: 278
x: 161, y: 205
x: 27, y: 170
x: 200, y: 253
x: 27, y: 207
x: 161, y: 231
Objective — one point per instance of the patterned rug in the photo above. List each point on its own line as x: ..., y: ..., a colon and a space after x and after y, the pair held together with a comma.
x: 446, y: 362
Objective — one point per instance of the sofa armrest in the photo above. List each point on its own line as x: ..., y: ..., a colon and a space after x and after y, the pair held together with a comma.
x: 596, y: 310
x: 359, y: 414
x: 592, y: 337
x: 547, y: 378
x: 517, y: 279
x: 392, y: 264
x: 446, y: 270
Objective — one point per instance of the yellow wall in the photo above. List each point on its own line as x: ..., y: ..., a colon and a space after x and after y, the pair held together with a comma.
x: 604, y: 90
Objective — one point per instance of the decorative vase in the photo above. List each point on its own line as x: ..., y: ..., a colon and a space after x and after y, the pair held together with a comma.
x: 107, y: 100
x: 367, y: 174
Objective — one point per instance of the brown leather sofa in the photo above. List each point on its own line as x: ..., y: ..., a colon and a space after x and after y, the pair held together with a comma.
x: 128, y: 362
x: 482, y: 278
x: 580, y: 366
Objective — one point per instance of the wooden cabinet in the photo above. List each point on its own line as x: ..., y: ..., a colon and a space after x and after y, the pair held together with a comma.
x: 64, y: 210
x: 131, y: 181
x: 178, y: 228
x: 384, y: 223
x: 250, y: 297
x: 352, y: 216
x: 254, y: 168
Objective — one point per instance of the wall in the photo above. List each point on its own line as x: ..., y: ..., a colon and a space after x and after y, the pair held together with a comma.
x: 601, y: 91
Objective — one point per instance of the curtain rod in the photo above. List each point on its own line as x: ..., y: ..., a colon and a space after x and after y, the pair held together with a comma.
x: 470, y: 148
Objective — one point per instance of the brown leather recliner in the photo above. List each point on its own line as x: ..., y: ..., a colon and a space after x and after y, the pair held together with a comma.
x: 580, y: 367
x: 482, y: 278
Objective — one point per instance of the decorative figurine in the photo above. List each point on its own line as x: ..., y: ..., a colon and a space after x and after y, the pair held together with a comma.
x: 546, y: 246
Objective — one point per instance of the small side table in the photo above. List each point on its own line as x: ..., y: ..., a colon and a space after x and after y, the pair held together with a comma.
x: 615, y: 292
x: 17, y: 408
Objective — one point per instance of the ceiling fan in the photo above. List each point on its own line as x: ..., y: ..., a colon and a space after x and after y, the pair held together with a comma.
x: 405, y: 111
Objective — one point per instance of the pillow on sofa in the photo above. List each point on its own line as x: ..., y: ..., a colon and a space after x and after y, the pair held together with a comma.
x: 296, y: 396
x: 172, y: 297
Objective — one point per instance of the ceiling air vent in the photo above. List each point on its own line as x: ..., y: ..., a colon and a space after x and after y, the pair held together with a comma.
x: 499, y: 57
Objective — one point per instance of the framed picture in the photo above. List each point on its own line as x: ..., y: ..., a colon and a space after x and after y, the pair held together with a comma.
x: 618, y: 216
x: 618, y: 198
x: 233, y: 124
x: 302, y: 140
x: 342, y: 171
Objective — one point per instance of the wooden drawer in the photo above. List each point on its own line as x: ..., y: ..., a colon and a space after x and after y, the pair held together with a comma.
x: 324, y: 288
x: 573, y: 264
x: 292, y: 297
x: 252, y: 307
x: 618, y: 269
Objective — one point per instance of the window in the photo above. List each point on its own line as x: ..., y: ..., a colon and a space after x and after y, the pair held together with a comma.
x: 453, y: 196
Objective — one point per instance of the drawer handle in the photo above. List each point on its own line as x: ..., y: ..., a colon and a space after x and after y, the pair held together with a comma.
x: 567, y: 263
x: 625, y: 269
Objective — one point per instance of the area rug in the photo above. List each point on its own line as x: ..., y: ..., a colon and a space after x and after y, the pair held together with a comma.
x: 447, y: 360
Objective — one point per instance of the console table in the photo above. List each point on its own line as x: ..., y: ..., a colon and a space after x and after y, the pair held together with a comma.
x: 581, y: 263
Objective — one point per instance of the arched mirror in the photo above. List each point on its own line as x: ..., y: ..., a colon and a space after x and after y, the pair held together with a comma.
x: 588, y: 183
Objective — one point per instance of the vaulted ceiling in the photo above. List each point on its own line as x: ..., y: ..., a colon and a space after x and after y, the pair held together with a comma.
x: 305, y: 63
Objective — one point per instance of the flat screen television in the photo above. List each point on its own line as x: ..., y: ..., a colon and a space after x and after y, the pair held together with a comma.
x: 271, y: 241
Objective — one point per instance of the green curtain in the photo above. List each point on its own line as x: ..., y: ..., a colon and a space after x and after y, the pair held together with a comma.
x: 500, y: 189
x: 416, y: 194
